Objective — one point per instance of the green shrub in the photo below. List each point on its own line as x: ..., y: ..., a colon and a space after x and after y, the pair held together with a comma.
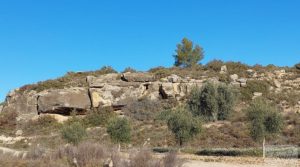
x: 160, y: 72
x: 264, y: 118
x: 212, y: 102
x: 214, y: 65
x: 145, y: 109
x: 119, y: 130
x: 230, y: 152
x: 254, y: 86
x: 163, y: 115
x: 73, y: 133
x: 99, y: 116
x: 183, y: 125
x: 237, y: 68
x: 225, y: 99
x: 203, y: 102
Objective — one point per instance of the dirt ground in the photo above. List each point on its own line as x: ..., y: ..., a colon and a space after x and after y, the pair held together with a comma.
x: 205, y: 161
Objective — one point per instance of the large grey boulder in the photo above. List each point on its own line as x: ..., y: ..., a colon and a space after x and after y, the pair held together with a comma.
x: 137, y: 77
x: 111, y: 95
x: 22, y: 102
x: 64, y: 101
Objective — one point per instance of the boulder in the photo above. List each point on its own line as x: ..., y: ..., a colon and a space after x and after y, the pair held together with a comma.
x: 114, y: 95
x: 234, y: 77
x: 250, y: 71
x: 256, y: 94
x: 22, y: 102
x: 101, y: 97
x: 64, y: 101
x: 137, y: 77
x: 223, y: 69
x: 174, y: 78
x: 19, y: 133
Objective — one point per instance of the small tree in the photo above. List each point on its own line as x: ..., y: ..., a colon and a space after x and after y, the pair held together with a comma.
x: 203, y: 102
x: 212, y: 102
x: 187, y: 55
x: 265, y: 120
x: 73, y: 133
x: 119, y: 130
x: 183, y: 125
x: 225, y: 100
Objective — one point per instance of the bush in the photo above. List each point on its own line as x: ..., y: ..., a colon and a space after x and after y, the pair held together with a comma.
x: 85, y: 154
x: 214, y: 65
x: 203, y: 102
x: 119, y: 130
x: 230, y: 152
x: 99, y: 116
x: 225, y: 99
x: 265, y: 119
x: 183, y: 125
x: 212, y: 102
x: 73, y: 133
x: 43, y: 125
x: 160, y: 72
x: 144, y: 109
x: 237, y: 68
x: 254, y: 86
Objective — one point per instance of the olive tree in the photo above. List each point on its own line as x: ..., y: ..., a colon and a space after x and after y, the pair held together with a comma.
x: 187, y: 54
x: 212, y: 101
x: 183, y: 125
x: 265, y: 120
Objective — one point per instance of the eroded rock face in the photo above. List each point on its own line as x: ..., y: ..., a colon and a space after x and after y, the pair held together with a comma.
x: 24, y: 103
x: 64, y: 101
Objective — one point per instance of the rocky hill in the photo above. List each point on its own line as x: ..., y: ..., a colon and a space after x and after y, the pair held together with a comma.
x: 114, y: 89
x: 141, y: 96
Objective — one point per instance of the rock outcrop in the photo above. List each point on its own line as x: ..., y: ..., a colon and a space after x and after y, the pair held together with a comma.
x: 63, y: 101
x: 116, y: 89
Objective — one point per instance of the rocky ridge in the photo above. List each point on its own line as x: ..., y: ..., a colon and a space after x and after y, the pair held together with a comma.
x: 114, y: 89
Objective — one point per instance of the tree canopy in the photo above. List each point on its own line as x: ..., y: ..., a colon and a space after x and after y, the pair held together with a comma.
x: 187, y: 54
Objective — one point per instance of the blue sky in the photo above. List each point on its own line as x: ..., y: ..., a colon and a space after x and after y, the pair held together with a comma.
x: 41, y: 40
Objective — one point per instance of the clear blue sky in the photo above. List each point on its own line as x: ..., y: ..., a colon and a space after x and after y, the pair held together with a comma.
x: 43, y: 39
